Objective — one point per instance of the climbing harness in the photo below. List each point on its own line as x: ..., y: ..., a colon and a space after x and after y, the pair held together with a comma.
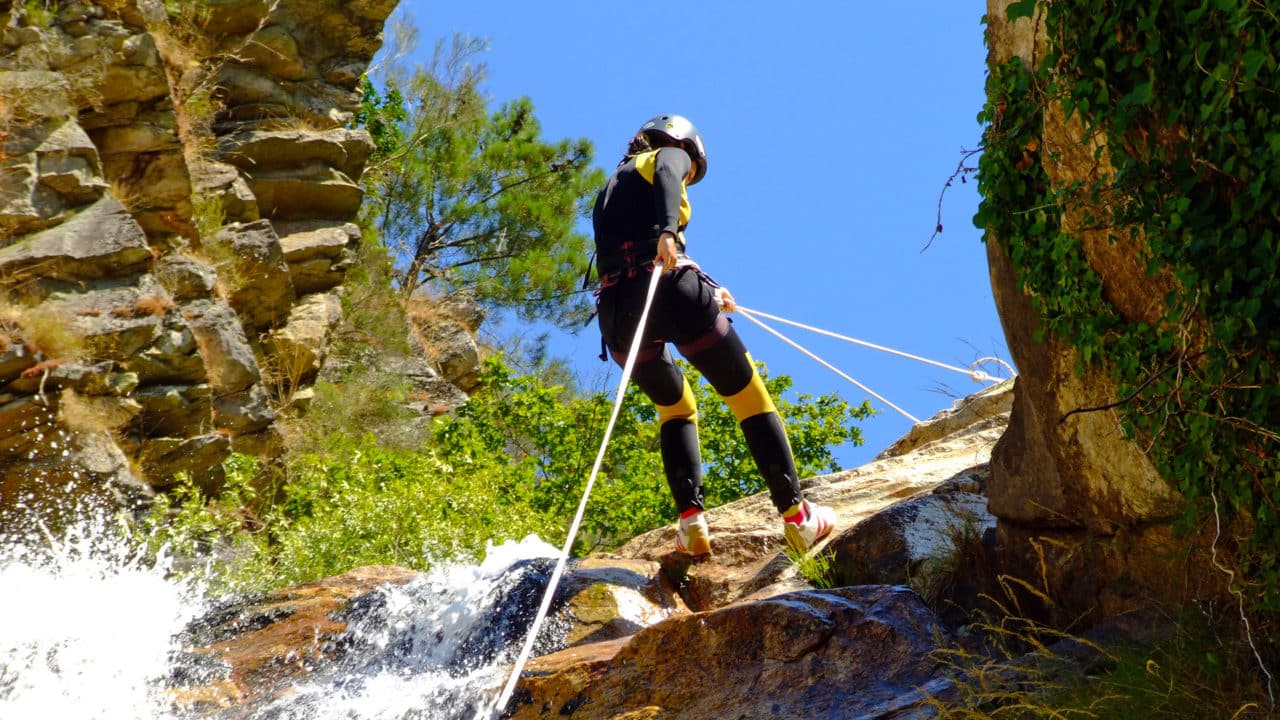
x: 972, y: 371
x: 563, y: 558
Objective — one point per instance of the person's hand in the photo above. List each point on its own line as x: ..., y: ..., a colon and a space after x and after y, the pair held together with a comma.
x: 668, y: 253
x: 725, y: 300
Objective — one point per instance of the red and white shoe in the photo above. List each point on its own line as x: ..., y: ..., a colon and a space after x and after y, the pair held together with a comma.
x: 818, y: 522
x: 693, y: 537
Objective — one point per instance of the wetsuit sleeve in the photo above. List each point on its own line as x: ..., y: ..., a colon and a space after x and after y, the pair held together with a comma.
x: 671, y: 166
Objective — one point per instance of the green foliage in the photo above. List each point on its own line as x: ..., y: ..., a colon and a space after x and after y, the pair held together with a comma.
x: 513, y: 461
x: 1183, y: 94
x: 814, y: 568
x: 186, y: 524
x: 545, y: 440
x: 470, y: 199
x: 39, y: 13
x: 361, y: 503
x: 541, y: 441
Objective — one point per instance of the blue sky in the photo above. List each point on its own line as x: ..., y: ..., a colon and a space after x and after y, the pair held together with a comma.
x: 831, y: 128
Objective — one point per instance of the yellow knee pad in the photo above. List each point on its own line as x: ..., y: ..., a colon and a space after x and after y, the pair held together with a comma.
x: 683, y: 409
x: 751, y: 400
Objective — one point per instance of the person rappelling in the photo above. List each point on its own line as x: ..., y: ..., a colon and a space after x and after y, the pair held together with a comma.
x: 639, y: 220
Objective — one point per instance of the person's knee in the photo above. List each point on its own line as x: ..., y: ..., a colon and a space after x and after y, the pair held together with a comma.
x: 683, y: 409
x: 752, y: 400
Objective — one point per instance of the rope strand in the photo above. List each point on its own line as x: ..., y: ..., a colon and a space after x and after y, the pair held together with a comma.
x: 977, y: 375
x: 748, y: 314
x: 563, y: 558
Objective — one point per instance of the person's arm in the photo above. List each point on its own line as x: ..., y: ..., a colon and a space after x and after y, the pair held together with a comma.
x: 671, y: 167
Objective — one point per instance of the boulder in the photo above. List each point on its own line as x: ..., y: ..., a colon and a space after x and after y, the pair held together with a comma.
x: 173, y: 357
x: 245, y: 412
x: 199, y: 458
x: 226, y: 187
x: 14, y: 359
x: 262, y: 292
x: 36, y: 94
x: 186, y: 277
x: 101, y: 240
x: 232, y: 16
x: 247, y: 653
x: 429, y: 393
x: 297, y: 349
x: 229, y: 361
x: 748, y: 558
x: 610, y: 597
x: 275, y: 52
x: 310, y: 191
x: 86, y: 379
x: 914, y: 541
x: 1057, y: 467
x: 173, y: 409
x: 255, y: 151
x: 857, y: 652
x: 140, y: 78
x: 67, y: 163
x: 318, y: 252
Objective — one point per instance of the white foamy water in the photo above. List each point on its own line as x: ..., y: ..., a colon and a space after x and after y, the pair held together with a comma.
x: 88, y: 631
x: 437, y: 648
x: 86, y: 626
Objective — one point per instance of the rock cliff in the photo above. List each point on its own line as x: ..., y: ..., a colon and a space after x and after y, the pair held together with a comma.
x: 1083, y: 514
x: 177, y: 194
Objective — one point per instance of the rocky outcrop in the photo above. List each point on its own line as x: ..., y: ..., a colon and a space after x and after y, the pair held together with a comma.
x: 856, y: 652
x: 177, y: 187
x: 747, y: 544
x: 1082, y: 512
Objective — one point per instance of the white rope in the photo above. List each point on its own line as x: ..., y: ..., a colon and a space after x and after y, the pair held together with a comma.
x: 627, y: 367
x: 748, y: 314
x: 976, y: 375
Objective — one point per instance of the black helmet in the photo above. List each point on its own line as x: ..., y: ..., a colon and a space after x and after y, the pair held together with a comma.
x: 678, y: 128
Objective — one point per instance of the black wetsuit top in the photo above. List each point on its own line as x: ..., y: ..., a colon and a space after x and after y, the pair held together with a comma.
x: 629, y: 215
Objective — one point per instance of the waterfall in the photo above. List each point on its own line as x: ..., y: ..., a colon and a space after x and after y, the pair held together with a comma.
x: 86, y: 626
x: 435, y: 648
x: 89, y: 630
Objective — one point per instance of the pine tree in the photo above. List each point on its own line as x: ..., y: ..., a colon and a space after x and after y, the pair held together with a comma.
x: 472, y: 200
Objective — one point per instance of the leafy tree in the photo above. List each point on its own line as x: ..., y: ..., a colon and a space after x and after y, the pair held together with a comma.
x: 542, y: 441
x: 468, y: 199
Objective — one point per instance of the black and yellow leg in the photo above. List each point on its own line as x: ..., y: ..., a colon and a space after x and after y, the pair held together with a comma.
x: 681, y: 459
x: 727, y: 365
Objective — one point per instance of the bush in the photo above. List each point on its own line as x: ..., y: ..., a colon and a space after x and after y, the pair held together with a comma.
x: 513, y: 461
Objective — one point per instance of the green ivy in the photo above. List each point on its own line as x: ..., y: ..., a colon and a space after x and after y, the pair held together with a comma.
x: 1186, y: 94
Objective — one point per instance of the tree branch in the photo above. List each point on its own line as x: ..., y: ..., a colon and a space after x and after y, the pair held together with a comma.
x: 962, y: 171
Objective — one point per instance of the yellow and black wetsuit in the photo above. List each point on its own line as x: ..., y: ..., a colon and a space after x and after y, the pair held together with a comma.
x: 645, y: 197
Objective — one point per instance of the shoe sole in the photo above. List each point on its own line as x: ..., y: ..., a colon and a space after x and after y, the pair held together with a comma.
x: 697, y: 547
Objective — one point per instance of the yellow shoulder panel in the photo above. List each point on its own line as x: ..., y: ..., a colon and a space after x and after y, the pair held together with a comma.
x: 646, y: 163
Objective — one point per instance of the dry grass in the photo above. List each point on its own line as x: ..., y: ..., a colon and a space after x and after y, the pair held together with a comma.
x: 290, y: 123
x: 1009, y: 665
x: 191, y: 62
x: 148, y: 305
x: 42, y: 330
x: 284, y: 372
x: 129, y: 194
